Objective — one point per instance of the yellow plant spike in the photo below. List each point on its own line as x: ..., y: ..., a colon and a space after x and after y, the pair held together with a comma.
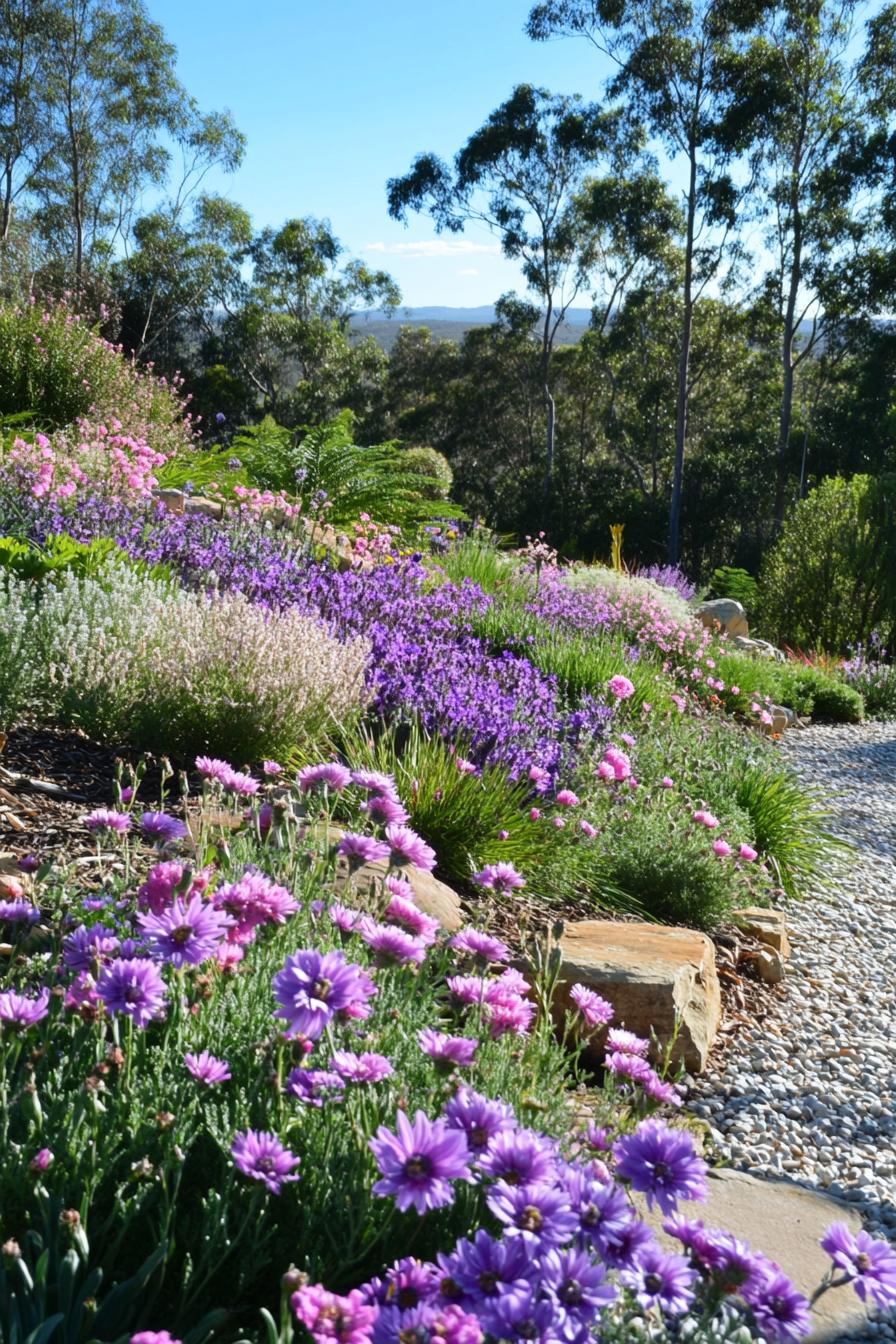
x: 616, y: 531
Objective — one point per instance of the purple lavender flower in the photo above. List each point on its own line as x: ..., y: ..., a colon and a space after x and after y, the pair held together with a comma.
x: 314, y: 987
x: 390, y: 945
x: 661, y: 1164
x: 86, y: 949
x: 779, y: 1310
x: 660, y: 1279
x: 18, y: 912
x: 480, y: 945
x: 447, y: 1052
x: 207, y: 1069
x: 134, y: 987
x: 261, y: 1156
x: 360, y: 849
x: 407, y: 847
x: 541, y: 1214
x: 329, y: 776
x: 105, y: 820
x: 28, y: 863
x: 187, y: 933
x: 364, y: 1068
x: 419, y: 1162
x: 520, y: 1157
x: 315, y: 1086
x: 501, y: 878
x: 479, y: 1117
x: 869, y: 1265
x: 162, y: 829
x: 18, y: 1011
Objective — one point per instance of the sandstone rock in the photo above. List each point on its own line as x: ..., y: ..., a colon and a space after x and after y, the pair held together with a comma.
x: 211, y: 508
x: 652, y: 975
x: 768, y: 926
x: 770, y: 965
x: 759, y: 648
x: 432, y: 896
x: 785, y: 1222
x: 174, y: 500
x: 723, y: 611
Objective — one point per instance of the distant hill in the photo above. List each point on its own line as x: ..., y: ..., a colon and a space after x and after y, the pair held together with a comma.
x: 450, y: 324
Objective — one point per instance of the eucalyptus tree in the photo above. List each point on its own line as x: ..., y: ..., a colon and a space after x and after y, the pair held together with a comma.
x: 522, y: 175
x: 669, y: 62
x: 826, y: 157
x: 25, y: 141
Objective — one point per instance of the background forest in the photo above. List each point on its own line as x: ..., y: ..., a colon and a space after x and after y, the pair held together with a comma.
x: 726, y: 202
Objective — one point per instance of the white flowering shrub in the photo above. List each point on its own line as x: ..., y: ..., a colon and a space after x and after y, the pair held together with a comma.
x: 130, y: 658
x: 17, y: 662
x: 599, y: 578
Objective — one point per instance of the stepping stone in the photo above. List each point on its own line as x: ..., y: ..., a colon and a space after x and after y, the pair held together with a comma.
x: 657, y: 978
x: 785, y: 1222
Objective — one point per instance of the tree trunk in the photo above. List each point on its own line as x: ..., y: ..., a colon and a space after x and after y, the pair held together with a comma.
x: 547, y: 485
x: 684, y: 356
x: 785, y: 414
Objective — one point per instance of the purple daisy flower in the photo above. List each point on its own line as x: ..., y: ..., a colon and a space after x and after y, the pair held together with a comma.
x: 480, y: 945
x: 661, y: 1164
x: 134, y: 987
x: 392, y: 946
x: 18, y: 1011
x: 187, y: 933
x: 628, y: 1067
x: 313, y: 987
x: 447, y: 1052
x: 626, y: 1042
x: 261, y: 1156
x: 330, y: 1319
x: 360, y: 849
x: 601, y: 1208
x: 523, y: 1319
x: 501, y: 878
x: 406, y: 1284
x: 407, y: 847
x: 240, y: 783
x: 87, y: 949
x: 343, y: 916
x: 364, y: 1068
x: 207, y: 1069
x: 621, y: 1253
x: 779, y: 1310
x: 106, y: 820
x: 660, y: 1279
x: 419, y: 1162
x: 487, y: 1271
x: 162, y: 829
x: 577, y: 1286
x: 18, y: 912
x: 384, y: 811
x: 314, y: 1086
x: 595, y: 1011
x: 212, y: 767
x: 541, y: 1214
x: 374, y: 781
x: 402, y: 911
x: 330, y: 776
x: 870, y: 1265
x: 520, y: 1157
x: 479, y: 1117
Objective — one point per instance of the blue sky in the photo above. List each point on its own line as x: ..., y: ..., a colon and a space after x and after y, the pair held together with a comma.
x: 336, y: 96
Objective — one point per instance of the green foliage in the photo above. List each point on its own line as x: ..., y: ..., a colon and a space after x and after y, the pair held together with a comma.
x: 788, y: 826
x: 830, y: 579
x: 434, y: 466
x: 728, y: 581
x: 59, y: 554
x: 323, y: 464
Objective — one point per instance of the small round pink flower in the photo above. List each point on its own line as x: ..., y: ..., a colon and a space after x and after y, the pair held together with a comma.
x: 566, y: 798
x: 667, y: 783
x: 748, y: 853
x: 722, y: 848
x: 620, y: 687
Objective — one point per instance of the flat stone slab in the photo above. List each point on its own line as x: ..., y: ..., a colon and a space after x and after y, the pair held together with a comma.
x: 657, y: 978
x: 765, y: 924
x: 785, y: 1222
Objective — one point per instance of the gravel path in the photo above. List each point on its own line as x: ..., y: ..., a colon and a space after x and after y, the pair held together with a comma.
x: 810, y: 1094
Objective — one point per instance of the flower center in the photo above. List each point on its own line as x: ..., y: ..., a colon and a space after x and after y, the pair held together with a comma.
x: 478, y: 1137
x: 660, y: 1170
x: 414, y: 1335
x: 653, y: 1283
x: 571, y: 1292
x: 530, y: 1220
x: 182, y: 934
x: 863, y: 1262
x: 512, y: 1177
x: 321, y: 988
x: 265, y: 1164
x: 407, y: 1297
x: 488, y: 1282
x: 417, y: 1166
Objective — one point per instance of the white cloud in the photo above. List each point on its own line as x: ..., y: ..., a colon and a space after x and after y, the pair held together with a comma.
x: 468, y: 270
x: 436, y: 247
